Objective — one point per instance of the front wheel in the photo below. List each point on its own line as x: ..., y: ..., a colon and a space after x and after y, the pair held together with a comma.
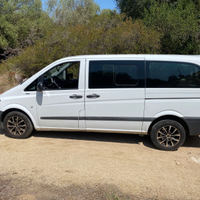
x: 17, y: 125
x: 168, y: 135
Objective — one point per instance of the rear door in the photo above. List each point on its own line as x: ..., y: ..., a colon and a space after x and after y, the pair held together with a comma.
x: 114, y: 95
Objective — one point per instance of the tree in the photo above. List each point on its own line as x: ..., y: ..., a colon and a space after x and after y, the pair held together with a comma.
x: 133, y: 8
x: 72, y: 12
x: 178, y: 24
x: 107, y: 19
x: 18, y: 20
x: 136, y: 8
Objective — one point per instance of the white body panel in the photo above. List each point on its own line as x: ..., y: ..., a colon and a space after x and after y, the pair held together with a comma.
x: 113, y: 104
x: 185, y: 102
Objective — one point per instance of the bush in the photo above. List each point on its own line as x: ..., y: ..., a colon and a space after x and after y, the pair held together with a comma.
x: 108, y: 37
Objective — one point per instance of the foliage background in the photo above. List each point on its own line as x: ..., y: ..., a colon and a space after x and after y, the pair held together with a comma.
x: 33, y: 35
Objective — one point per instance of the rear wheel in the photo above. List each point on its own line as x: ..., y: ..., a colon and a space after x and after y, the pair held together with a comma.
x: 168, y: 135
x: 17, y: 125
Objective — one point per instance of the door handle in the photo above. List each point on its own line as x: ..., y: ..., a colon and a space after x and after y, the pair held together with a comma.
x: 75, y: 96
x: 93, y: 96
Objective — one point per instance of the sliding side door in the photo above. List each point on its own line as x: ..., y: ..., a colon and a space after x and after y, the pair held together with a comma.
x: 114, y: 96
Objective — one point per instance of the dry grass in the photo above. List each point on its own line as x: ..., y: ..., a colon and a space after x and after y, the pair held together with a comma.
x: 7, y: 81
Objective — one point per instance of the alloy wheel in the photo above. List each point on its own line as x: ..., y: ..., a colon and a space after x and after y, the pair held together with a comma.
x: 168, y: 136
x: 16, y: 125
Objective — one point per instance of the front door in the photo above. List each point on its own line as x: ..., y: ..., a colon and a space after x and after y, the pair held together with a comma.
x: 61, y: 102
x: 115, y: 95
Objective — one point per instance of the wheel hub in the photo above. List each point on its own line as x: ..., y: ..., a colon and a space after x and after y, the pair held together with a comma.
x: 168, y: 136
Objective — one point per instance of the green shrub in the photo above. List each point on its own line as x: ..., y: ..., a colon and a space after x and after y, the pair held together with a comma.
x: 121, y: 37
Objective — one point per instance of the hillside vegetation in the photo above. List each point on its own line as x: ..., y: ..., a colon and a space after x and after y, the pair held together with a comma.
x: 33, y: 35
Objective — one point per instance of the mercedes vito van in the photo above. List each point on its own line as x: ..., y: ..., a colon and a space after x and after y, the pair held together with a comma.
x: 156, y: 95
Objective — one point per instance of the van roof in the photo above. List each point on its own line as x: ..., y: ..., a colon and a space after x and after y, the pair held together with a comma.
x: 145, y: 56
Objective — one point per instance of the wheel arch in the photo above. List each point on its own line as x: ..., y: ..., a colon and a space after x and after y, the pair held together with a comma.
x: 25, y: 112
x: 170, y: 117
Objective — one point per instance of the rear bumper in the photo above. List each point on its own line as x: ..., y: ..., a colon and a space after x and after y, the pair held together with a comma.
x: 193, y: 125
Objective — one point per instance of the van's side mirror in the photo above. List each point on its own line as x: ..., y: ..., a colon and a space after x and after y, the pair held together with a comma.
x: 39, y: 87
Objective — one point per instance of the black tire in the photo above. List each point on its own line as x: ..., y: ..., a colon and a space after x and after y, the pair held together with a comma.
x: 168, y: 135
x: 17, y: 125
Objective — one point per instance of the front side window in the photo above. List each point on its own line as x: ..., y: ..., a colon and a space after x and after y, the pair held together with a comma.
x: 113, y: 74
x: 172, y: 74
x: 63, y: 76
x: 32, y: 86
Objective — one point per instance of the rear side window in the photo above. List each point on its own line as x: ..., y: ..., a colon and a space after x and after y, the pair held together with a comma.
x: 113, y: 74
x: 172, y: 75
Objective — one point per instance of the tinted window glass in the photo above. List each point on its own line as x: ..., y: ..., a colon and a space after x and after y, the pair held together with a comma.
x: 172, y: 74
x: 112, y: 74
x: 126, y: 74
x: 63, y: 76
x: 32, y: 86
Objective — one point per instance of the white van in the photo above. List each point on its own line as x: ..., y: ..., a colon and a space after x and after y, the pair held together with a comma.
x: 158, y: 95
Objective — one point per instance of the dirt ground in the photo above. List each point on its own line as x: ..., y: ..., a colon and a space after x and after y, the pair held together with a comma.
x: 65, y: 165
